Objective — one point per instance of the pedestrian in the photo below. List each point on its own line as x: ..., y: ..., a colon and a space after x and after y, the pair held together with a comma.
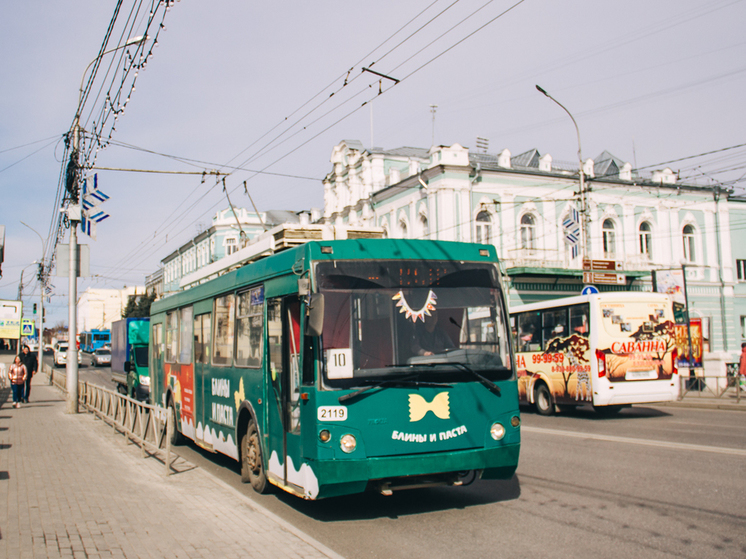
x: 32, y: 364
x: 17, y: 376
x: 742, y: 368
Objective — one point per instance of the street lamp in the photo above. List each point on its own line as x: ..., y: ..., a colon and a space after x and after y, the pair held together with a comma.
x: 42, y: 284
x: 74, y: 215
x: 581, y: 173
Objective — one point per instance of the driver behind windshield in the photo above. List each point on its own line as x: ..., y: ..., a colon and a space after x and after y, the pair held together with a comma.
x: 429, y: 338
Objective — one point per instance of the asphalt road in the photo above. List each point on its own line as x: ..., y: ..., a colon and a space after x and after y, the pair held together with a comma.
x: 651, y: 482
x: 100, y: 376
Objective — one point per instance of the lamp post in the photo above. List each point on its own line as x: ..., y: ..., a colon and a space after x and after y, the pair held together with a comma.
x: 581, y: 174
x: 42, y: 284
x: 74, y: 215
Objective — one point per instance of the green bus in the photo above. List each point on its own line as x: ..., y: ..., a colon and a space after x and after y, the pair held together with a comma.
x: 336, y: 367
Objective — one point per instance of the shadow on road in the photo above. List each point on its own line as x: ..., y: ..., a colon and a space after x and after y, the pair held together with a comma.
x: 587, y: 412
x: 368, y: 506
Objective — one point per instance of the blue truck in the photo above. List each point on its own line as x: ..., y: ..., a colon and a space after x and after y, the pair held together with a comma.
x: 130, y: 339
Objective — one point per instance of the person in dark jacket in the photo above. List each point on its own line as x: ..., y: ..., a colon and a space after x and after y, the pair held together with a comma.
x: 32, y: 364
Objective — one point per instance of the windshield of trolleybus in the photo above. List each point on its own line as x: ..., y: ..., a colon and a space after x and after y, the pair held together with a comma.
x: 436, y: 321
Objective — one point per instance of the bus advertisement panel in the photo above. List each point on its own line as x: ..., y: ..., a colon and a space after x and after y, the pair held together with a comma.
x: 607, y: 350
x: 342, y: 366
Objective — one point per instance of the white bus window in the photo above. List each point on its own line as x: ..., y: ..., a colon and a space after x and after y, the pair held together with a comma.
x: 554, y: 324
x: 222, y: 351
x: 529, y: 331
x: 579, y: 321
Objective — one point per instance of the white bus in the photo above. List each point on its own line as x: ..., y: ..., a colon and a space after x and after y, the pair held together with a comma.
x: 609, y: 350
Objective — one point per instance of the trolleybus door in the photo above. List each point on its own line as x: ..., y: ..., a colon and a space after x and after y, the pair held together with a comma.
x: 201, y: 383
x: 283, y: 329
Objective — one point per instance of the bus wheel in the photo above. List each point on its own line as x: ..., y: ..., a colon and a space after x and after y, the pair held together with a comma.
x: 543, y: 400
x: 176, y: 437
x: 252, y: 468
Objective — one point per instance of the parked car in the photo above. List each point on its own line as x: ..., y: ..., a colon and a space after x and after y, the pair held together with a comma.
x: 101, y: 357
x: 60, y: 354
x: 33, y: 347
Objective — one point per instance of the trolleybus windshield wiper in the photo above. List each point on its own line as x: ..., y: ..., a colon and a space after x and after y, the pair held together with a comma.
x: 409, y: 380
x: 485, y: 381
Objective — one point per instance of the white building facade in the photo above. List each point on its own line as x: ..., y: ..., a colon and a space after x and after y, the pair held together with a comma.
x: 519, y: 203
x: 98, y: 308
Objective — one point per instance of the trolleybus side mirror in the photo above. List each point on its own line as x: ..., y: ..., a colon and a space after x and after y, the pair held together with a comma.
x: 127, y: 366
x: 315, y: 322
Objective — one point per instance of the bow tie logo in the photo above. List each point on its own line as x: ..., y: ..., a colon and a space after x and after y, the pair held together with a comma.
x: 418, y: 406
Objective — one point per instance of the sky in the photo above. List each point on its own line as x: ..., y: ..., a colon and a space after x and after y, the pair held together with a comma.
x: 272, y: 87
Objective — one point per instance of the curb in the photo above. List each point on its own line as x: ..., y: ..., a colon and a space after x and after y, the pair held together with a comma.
x: 725, y: 406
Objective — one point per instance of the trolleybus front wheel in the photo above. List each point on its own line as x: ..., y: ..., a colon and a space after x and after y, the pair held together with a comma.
x: 252, y: 468
x: 543, y: 400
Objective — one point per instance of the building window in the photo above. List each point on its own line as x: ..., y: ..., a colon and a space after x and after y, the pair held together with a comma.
x: 690, y: 253
x: 645, y: 239
x: 483, y: 228
x: 231, y: 245
x: 741, y: 270
x: 424, y: 227
x: 403, y: 229
x: 528, y: 232
x: 609, y: 239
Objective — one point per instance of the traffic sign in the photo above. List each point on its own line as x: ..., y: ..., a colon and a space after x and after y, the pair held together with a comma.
x: 571, y: 226
x: 91, y: 215
x: 589, y: 290
x: 602, y: 265
x: 28, y: 327
x: 604, y: 278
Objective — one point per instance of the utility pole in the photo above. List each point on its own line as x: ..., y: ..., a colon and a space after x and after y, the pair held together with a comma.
x: 73, y: 214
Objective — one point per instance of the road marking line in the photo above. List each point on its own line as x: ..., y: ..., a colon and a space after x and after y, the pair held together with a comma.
x: 644, y: 442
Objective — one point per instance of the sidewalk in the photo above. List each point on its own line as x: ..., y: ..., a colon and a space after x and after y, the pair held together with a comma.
x: 74, y: 489
x: 707, y: 400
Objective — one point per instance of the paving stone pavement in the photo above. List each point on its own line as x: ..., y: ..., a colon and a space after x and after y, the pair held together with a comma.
x: 72, y: 488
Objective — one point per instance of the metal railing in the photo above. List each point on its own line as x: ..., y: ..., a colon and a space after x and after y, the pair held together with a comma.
x: 704, y: 386
x: 149, y: 426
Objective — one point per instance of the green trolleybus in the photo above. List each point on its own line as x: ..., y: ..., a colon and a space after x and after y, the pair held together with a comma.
x: 340, y: 366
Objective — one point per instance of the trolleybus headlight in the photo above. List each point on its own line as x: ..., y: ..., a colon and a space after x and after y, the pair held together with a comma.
x: 347, y: 443
x: 515, y: 421
x: 497, y: 431
x: 324, y: 436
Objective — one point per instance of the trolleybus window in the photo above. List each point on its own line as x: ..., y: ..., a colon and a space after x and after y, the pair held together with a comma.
x: 223, y: 343
x: 441, y: 321
x: 157, y: 342
x: 249, y: 327
x: 172, y: 336
x: 202, y: 338
x: 185, y: 336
